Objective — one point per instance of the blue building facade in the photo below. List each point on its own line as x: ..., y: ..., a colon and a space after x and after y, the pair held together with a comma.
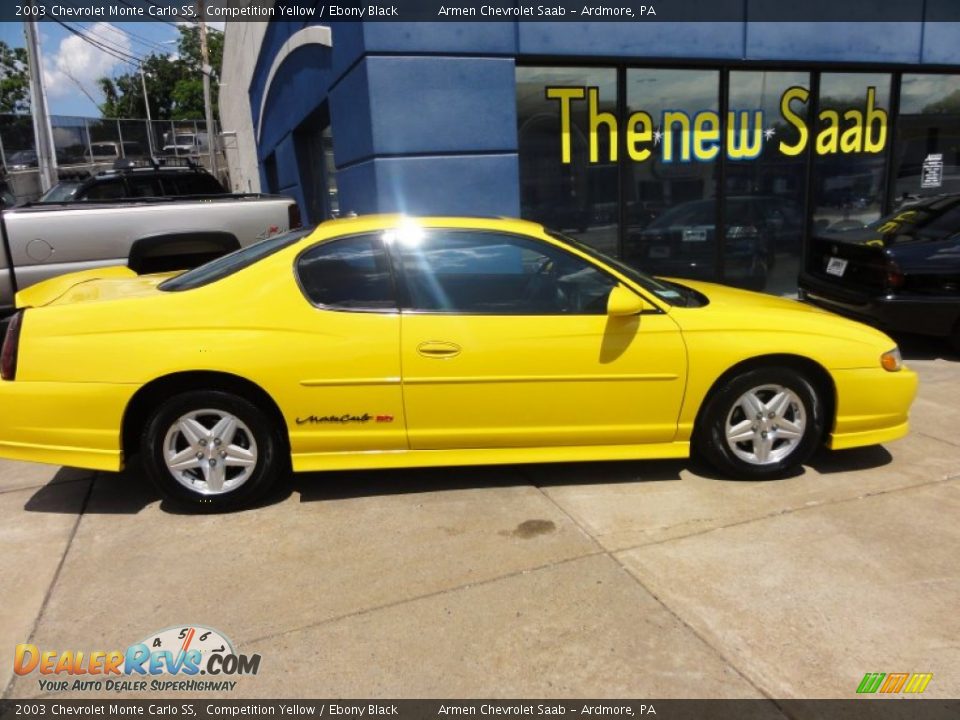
x: 620, y: 133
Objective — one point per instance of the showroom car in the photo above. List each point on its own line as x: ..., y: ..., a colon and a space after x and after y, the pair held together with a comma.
x: 901, y: 272
x: 682, y: 241
x: 388, y: 342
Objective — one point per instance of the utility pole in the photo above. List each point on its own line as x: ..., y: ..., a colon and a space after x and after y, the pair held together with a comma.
x: 146, y: 104
x: 42, y: 131
x: 208, y: 108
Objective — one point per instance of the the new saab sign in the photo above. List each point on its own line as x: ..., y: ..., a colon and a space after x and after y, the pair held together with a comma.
x: 678, y: 136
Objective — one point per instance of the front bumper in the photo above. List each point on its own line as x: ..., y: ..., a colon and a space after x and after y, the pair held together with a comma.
x: 936, y: 316
x: 73, y: 424
x: 872, y: 406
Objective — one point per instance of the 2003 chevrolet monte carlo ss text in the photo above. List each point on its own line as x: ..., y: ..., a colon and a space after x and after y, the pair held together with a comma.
x: 385, y: 342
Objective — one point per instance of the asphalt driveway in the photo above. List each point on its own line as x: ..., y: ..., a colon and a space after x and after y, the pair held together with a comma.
x: 644, y: 579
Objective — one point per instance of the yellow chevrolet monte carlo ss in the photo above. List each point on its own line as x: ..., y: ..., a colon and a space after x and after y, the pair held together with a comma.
x: 386, y: 342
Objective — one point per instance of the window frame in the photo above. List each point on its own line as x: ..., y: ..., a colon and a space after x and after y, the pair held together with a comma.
x: 377, y: 235
x: 406, y: 305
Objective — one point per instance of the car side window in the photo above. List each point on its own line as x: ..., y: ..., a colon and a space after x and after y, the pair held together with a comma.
x: 475, y: 272
x: 143, y: 186
x: 348, y: 274
x: 196, y: 184
x: 109, y: 190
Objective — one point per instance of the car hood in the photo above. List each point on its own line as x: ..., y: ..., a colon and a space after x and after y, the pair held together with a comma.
x: 107, y: 283
x: 731, y: 309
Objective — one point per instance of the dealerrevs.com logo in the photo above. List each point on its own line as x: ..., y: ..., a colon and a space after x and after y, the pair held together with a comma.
x: 173, y: 659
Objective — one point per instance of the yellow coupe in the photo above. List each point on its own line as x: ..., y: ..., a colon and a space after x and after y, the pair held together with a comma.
x: 385, y: 342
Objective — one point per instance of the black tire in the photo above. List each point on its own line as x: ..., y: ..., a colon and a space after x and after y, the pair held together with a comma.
x: 710, y: 434
x: 254, y: 433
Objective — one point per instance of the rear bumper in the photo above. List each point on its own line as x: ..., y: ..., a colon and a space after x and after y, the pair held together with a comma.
x: 906, y: 313
x: 872, y: 406
x: 73, y: 424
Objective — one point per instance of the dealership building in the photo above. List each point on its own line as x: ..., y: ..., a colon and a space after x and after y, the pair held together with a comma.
x: 639, y: 138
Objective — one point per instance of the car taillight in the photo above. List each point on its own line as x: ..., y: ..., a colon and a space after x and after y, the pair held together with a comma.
x: 894, y: 278
x: 293, y: 216
x: 11, y: 345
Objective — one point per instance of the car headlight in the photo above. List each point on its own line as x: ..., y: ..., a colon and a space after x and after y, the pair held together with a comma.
x: 891, y: 360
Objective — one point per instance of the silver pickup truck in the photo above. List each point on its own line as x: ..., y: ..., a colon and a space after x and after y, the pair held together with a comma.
x: 41, y: 240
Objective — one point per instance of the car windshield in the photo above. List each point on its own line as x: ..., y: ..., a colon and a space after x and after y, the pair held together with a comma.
x: 234, y: 262
x: 914, y: 223
x: 60, y: 192
x: 668, y: 292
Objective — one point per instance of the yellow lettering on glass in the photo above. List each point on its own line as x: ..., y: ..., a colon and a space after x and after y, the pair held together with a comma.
x: 565, y: 95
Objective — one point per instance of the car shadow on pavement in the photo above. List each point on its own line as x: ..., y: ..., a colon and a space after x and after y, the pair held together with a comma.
x: 128, y: 493
x: 828, y: 462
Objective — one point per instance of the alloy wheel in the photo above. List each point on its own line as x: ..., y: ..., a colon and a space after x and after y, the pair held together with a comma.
x: 210, y: 452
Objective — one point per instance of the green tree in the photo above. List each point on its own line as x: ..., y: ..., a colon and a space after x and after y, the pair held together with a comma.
x: 174, y: 85
x: 947, y: 104
x: 14, y: 80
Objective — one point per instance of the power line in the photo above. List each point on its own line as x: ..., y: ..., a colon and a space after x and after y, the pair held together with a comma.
x: 114, y: 52
x: 150, y: 45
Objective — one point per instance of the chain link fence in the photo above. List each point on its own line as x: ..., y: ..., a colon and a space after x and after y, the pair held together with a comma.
x: 89, y: 145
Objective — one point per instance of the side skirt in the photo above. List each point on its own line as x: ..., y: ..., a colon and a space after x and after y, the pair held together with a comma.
x: 312, y: 462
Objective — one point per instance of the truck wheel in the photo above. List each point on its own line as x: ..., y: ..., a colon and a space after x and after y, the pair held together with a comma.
x: 761, y: 424
x: 211, y: 451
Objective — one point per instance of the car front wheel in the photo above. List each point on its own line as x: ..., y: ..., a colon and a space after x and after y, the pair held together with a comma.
x: 211, y: 451
x: 760, y: 425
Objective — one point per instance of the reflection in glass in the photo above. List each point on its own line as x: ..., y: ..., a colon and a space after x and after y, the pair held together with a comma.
x: 926, y: 158
x: 849, y: 167
x: 579, y: 196
x: 764, y: 199
x: 670, y: 193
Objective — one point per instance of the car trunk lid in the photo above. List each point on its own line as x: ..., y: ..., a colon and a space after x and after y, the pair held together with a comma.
x: 856, y: 260
x: 104, y: 283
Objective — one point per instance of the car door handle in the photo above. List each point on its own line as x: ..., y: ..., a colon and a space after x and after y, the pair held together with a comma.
x: 438, y: 350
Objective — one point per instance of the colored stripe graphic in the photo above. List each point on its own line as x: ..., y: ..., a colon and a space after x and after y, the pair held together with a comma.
x: 871, y: 682
x: 918, y: 682
x: 894, y: 683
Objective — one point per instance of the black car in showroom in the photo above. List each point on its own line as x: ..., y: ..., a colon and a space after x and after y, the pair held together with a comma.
x: 682, y: 241
x: 901, y: 273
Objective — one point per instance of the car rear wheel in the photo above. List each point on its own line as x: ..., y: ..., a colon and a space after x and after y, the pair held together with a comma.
x: 761, y: 424
x: 211, y: 450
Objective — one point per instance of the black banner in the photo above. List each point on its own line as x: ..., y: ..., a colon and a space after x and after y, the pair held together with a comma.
x: 483, y: 10
x: 865, y: 709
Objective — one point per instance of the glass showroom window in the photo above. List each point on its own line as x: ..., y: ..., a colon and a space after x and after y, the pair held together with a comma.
x: 765, y: 179
x: 672, y: 139
x: 850, y: 145
x: 568, y: 153
x: 926, y: 153
x: 313, y: 141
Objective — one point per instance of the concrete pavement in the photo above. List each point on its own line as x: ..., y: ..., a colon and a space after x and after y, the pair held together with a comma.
x: 594, y: 580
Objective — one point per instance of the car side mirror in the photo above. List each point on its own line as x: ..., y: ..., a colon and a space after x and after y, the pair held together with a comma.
x: 623, y: 302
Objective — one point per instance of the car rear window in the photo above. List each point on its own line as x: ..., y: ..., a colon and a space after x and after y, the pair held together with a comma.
x: 234, y: 262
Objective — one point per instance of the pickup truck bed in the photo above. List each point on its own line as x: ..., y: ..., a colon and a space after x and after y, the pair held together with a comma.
x: 42, y: 240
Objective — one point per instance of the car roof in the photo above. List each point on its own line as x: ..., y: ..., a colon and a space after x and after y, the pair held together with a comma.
x: 82, y: 177
x: 362, y: 223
